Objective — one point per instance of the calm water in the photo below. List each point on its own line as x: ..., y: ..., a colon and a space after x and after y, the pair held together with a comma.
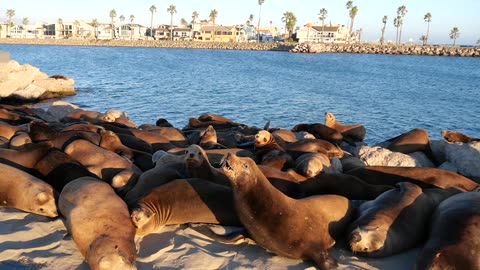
x: 387, y: 94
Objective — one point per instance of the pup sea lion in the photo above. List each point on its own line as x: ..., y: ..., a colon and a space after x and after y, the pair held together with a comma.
x: 457, y: 137
x: 25, y: 192
x: 99, y: 223
x: 354, y: 132
x: 454, y: 241
x: 299, y: 229
x: 395, y: 221
x: 423, y: 177
x: 185, y: 201
x: 312, y: 164
x: 198, y: 166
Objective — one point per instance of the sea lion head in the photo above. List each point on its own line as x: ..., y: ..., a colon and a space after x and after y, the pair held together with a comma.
x: 367, y: 239
x: 263, y: 138
x: 144, y: 220
x: 329, y: 119
x: 105, y: 254
x: 20, y: 139
x: 194, y: 156
x: 240, y: 171
x: 209, y: 135
x: 41, y: 200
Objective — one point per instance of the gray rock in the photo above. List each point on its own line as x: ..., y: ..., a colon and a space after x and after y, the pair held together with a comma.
x: 465, y: 157
x: 422, y: 160
x: 447, y: 166
x: 60, y: 109
x: 438, y: 150
x: 377, y: 156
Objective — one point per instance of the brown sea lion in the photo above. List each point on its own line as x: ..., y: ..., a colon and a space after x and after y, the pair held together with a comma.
x: 194, y: 123
x: 344, y: 185
x: 198, y: 166
x: 25, y: 192
x: 412, y: 141
x: 266, y: 142
x: 209, y: 139
x: 454, y: 241
x: 395, y: 221
x: 27, y: 157
x: 283, y: 181
x: 457, y: 137
x: 312, y: 164
x: 299, y: 229
x: 214, y: 117
x: 83, y: 127
x: 314, y: 146
x: 174, y: 135
x: 354, y: 132
x: 8, y: 131
x: 119, y: 172
x: 320, y: 131
x: 277, y: 159
x: 216, y: 155
x: 99, y: 223
x: 423, y: 177
x: 185, y: 201
x: 18, y: 140
x: 82, y: 115
x: 285, y: 134
x: 11, y: 117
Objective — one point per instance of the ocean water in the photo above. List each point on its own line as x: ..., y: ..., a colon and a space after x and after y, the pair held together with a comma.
x: 388, y: 94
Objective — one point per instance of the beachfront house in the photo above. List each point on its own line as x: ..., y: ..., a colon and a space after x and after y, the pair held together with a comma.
x: 328, y: 33
x: 131, y: 31
x: 162, y: 32
x: 182, y: 33
x: 27, y: 31
x: 217, y: 33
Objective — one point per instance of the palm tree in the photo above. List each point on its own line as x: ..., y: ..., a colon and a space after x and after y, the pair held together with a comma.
x: 323, y: 15
x: 112, y: 15
x: 122, y: 19
x: 353, y: 13
x: 76, y: 23
x: 10, y: 14
x: 183, y: 22
x: 454, y: 34
x: 152, y: 9
x: 349, y: 6
x: 428, y: 19
x: 260, y: 3
x: 384, y: 21
x: 423, y: 39
x: 95, y: 24
x: 250, y: 19
x: 132, y: 18
x: 194, y: 17
x: 172, y: 9
x: 25, y: 22
x: 213, y: 15
x: 402, y: 11
x: 359, y: 34
x: 60, y: 22
x: 396, y: 23
x: 290, y: 20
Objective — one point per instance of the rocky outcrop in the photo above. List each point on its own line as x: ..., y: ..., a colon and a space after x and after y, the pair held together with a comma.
x: 465, y: 157
x: 366, y: 48
x: 25, y: 83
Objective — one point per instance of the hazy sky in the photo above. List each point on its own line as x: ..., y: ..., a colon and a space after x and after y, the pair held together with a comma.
x: 445, y: 14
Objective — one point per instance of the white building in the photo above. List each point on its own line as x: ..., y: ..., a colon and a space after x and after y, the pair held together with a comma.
x: 331, y: 33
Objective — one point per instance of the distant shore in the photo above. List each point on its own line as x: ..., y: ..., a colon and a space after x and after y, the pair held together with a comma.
x: 364, y: 48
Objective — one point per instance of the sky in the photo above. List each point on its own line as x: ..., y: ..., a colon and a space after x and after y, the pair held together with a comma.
x: 446, y: 14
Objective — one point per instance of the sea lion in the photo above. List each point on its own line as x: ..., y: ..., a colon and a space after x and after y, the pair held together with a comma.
x: 8, y: 131
x: 82, y: 115
x: 423, y: 177
x: 353, y: 132
x: 209, y: 139
x: 312, y: 164
x: 198, y: 166
x: 25, y: 158
x: 25, y: 192
x: 185, y: 201
x: 454, y: 241
x: 285, y: 134
x: 283, y: 181
x: 266, y: 142
x: 194, y: 123
x: 457, y: 137
x: 412, y: 141
x: 314, y: 146
x: 320, y: 131
x: 18, y: 140
x: 299, y: 229
x: 395, y: 221
x: 277, y: 159
x: 99, y: 223
x: 216, y: 155
x: 344, y: 185
x: 174, y: 135
x: 119, y: 172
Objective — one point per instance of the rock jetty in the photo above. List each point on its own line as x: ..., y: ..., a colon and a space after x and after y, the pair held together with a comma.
x: 387, y: 49
x: 25, y: 83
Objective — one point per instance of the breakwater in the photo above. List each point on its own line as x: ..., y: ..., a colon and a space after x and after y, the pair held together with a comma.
x: 431, y: 50
x: 244, y: 46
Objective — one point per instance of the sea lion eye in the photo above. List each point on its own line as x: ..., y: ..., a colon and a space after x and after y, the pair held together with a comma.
x: 265, y: 139
x: 42, y: 210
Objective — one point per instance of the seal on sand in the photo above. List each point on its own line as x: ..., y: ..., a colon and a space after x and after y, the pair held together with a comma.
x: 185, y: 201
x: 25, y: 192
x: 423, y: 177
x: 395, y: 221
x: 300, y: 229
x: 99, y: 223
x: 353, y: 132
x: 454, y: 242
x: 457, y: 137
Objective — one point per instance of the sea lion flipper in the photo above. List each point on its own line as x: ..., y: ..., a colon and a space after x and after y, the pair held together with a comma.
x: 267, y: 125
x: 232, y: 238
x: 324, y: 260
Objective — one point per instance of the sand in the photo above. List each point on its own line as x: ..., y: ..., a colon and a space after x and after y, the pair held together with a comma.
x: 29, y: 241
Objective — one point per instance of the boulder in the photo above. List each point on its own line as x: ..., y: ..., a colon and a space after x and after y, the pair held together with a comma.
x: 422, y: 160
x: 465, y: 157
x: 447, y: 166
x: 377, y: 156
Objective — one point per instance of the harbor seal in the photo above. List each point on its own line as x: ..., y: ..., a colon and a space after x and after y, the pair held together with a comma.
x: 353, y: 132
x: 457, y: 137
x: 423, y: 177
x: 395, y: 221
x: 185, y: 201
x: 25, y: 192
x: 454, y: 242
x: 299, y: 229
x: 99, y: 223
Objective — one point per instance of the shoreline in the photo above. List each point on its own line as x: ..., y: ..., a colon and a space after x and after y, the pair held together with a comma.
x: 365, y: 48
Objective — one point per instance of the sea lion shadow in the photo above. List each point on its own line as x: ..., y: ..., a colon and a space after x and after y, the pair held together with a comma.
x: 40, y: 242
